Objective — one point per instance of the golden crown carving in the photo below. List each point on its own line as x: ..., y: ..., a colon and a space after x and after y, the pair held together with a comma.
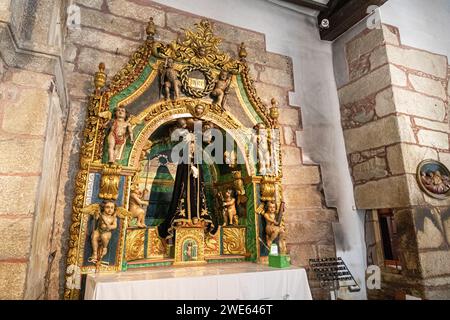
x: 199, y: 48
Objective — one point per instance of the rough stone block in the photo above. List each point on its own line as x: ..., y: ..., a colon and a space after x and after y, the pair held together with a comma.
x: 18, y: 156
x: 310, y: 231
x: 301, y: 197
x: 27, y: 114
x: 31, y: 79
x: 372, y: 83
x: 433, y: 125
x: 266, y: 92
x: 326, y: 251
x: 448, y: 85
x: 89, y: 59
x: 373, y: 168
x: 446, y: 225
x: 97, y: 4
x: 433, y: 139
x: 277, y: 77
x: 378, y: 57
x: 404, y: 158
x: 379, y: 133
x: 177, y: 21
x: 391, y: 35
x: 301, y: 253
x: 385, y: 193
x: 445, y: 159
x: 80, y: 85
x: 15, y: 236
x: 384, y: 102
x: 135, y: 11
x: 113, y: 24
x: 364, y: 44
x: 237, y: 35
x: 428, y: 86
x: 103, y: 41
x: 12, y: 277
x: 417, y: 104
x: 291, y: 155
x: 298, y: 175
x: 435, y: 263
x: 318, y: 215
x: 18, y: 194
x: 269, y: 59
x: 288, y: 136
x: 289, y: 117
x: 433, y: 64
x: 75, y: 122
x: 430, y: 236
x: 398, y: 76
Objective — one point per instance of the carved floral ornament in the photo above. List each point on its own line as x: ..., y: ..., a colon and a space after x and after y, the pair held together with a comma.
x: 199, y: 63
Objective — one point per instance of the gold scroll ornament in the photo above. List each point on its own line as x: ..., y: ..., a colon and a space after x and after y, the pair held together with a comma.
x: 268, y: 188
x: 109, y: 185
x: 134, y: 249
x: 234, y: 240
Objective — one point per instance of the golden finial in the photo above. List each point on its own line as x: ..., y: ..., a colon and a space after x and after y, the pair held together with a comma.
x: 100, y: 78
x: 274, y: 114
x: 151, y: 29
x: 242, y: 51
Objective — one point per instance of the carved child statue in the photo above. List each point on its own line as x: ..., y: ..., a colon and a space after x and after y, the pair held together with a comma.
x: 120, y: 131
x: 105, y: 222
x: 221, y: 89
x: 136, y: 203
x: 273, y: 227
x: 170, y: 81
x: 262, y: 143
x: 229, y: 204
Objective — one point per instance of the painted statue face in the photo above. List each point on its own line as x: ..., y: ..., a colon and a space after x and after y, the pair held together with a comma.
x: 121, y: 113
x: 201, y: 52
x: 223, y: 75
x: 109, y: 208
x: 170, y: 63
x: 199, y: 109
x: 182, y: 123
x: 228, y: 193
x: 271, y: 207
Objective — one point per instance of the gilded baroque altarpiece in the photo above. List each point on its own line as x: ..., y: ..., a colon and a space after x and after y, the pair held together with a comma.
x: 134, y: 205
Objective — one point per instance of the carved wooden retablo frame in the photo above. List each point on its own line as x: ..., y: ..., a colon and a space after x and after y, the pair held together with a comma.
x: 141, y: 88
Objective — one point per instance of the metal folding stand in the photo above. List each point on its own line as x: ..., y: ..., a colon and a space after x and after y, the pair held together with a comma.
x: 333, y: 274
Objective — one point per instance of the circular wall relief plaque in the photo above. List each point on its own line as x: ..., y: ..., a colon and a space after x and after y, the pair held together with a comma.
x: 433, y: 178
x: 197, y: 82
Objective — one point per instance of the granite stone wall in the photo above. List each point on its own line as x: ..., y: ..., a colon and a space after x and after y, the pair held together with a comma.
x: 32, y: 106
x: 394, y: 115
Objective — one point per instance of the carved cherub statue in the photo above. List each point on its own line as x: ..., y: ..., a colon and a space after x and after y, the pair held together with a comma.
x: 105, y: 221
x: 136, y: 204
x: 274, y: 228
x: 121, y: 129
x: 262, y: 143
x: 221, y: 89
x: 229, y: 205
x: 170, y: 81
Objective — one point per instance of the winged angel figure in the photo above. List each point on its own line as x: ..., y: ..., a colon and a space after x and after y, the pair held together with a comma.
x: 105, y: 221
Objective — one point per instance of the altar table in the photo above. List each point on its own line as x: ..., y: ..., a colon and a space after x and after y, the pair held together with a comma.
x: 230, y: 281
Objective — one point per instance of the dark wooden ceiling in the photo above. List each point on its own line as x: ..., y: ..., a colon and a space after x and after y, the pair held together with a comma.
x: 342, y: 14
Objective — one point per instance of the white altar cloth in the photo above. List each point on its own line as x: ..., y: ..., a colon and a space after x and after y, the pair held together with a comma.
x: 229, y: 281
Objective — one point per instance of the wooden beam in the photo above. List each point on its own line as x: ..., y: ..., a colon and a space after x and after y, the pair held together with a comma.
x: 343, y: 15
x: 309, y: 4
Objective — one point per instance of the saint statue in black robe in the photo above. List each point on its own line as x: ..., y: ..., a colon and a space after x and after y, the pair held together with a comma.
x: 188, y: 207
